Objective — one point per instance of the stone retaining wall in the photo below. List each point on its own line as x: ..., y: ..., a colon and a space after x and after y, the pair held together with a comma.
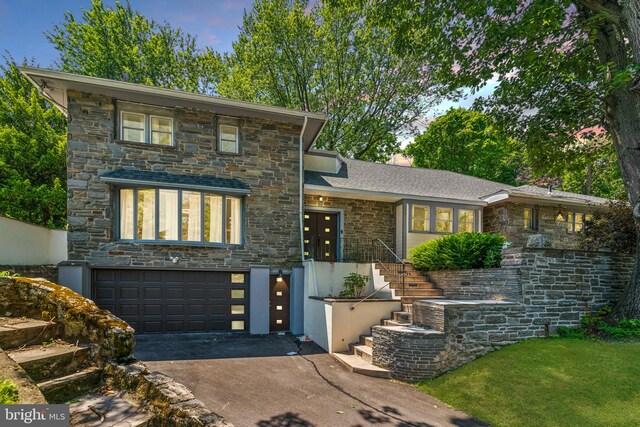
x: 80, y: 319
x: 545, y: 289
x: 48, y: 272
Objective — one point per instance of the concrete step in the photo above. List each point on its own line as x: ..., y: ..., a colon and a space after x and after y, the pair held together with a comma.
x: 389, y: 322
x: 366, y: 340
x: 355, y: 364
x: 63, y: 389
x: 17, y: 332
x: 407, y: 308
x: 401, y: 316
x: 362, y: 351
x: 43, y: 362
x: 424, y: 293
x: 411, y: 299
x: 413, y: 285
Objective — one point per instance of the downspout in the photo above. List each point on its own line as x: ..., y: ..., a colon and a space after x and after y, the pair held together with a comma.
x: 301, y: 204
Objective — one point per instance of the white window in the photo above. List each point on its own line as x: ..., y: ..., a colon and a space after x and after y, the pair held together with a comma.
x: 146, y: 129
x: 167, y: 215
x: 444, y: 220
x: 228, y: 139
x: 465, y: 220
x: 419, y: 218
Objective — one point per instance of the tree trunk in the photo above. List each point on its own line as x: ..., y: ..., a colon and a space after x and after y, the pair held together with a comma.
x: 622, y: 117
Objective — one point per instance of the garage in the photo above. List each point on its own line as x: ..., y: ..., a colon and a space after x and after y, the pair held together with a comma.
x: 166, y: 301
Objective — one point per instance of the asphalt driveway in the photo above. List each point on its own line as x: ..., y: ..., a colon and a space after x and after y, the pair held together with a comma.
x: 252, y: 381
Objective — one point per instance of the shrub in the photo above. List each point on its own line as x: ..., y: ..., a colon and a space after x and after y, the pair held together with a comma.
x: 459, y: 251
x: 354, y: 285
x: 612, y: 226
x: 599, y: 325
x: 8, y: 393
x: 8, y: 274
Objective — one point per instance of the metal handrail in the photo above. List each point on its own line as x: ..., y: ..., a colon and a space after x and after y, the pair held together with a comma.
x: 378, y: 259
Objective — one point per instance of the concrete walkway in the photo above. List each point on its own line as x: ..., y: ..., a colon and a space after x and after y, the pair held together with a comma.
x: 251, y: 381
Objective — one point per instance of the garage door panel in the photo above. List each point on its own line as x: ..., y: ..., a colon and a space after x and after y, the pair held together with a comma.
x: 169, y: 300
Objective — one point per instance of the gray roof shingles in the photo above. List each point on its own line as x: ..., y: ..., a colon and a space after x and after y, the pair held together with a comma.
x: 170, y: 178
x: 540, y: 191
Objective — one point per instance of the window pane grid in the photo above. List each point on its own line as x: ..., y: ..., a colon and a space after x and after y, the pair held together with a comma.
x: 178, y: 215
x: 146, y: 129
x: 228, y: 139
x: 420, y: 218
x: 444, y: 220
x: 465, y: 220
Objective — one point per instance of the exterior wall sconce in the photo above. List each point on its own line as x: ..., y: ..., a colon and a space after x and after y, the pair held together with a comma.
x: 279, y: 279
x: 559, y: 217
x: 320, y: 199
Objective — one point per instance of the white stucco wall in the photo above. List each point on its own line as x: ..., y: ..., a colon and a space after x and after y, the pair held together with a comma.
x: 27, y: 244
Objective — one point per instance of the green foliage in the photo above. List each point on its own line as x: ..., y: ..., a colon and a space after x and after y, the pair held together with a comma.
x: 595, y: 173
x: 611, y: 227
x: 459, y: 251
x: 32, y: 153
x: 354, y: 285
x: 328, y: 57
x: 8, y: 274
x: 121, y: 44
x: 600, y: 325
x: 467, y: 142
x: 8, y: 393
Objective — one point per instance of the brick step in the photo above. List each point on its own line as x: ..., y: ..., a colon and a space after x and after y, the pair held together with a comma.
x: 366, y: 340
x: 425, y: 293
x: 401, y: 316
x: 16, y: 332
x: 43, y: 362
x: 414, y: 285
x: 411, y: 299
x: 63, y: 389
x: 355, y: 364
x: 362, y: 351
x: 389, y: 322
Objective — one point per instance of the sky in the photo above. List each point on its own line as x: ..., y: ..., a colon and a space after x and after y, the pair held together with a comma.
x: 214, y: 23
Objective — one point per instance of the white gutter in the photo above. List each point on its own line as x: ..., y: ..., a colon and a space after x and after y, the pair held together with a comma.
x: 301, y: 192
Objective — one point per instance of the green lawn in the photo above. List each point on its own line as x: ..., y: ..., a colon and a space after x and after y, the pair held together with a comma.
x: 548, y: 382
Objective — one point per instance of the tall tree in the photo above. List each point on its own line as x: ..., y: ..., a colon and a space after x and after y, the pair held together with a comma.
x: 467, y: 142
x: 121, y: 44
x: 566, y: 70
x: 32, y: 153
x: 330, y: 58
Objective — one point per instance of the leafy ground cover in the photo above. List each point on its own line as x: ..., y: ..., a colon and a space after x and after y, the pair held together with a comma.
x: 548, y: 382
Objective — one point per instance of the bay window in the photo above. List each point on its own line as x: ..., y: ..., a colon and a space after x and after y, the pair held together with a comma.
x: 465, y: 220
x: 420, y: 218
x: 168, y: 215
x: 444, y: 220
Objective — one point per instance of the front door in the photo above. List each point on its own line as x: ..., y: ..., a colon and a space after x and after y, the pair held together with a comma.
x: 279, y: 303
x: 321, y: 236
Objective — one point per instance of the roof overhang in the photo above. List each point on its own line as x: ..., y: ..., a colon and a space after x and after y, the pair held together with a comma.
x: 521, y: 197
x: 346, y: 193
x: 53, y: 85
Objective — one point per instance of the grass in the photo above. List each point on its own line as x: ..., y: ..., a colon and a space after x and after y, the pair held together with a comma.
x: 548, y: 382
x: 8, y: 392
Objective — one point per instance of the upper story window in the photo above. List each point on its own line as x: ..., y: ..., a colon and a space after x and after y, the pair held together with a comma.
x: 145, y: 124
x: 466, y: 219
x: 228, y: 139
x: 444, y: 220
x: 419, y: 218
x: 168, y: 215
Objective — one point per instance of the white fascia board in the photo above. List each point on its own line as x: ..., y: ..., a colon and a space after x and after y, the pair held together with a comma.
x: 348, y: 192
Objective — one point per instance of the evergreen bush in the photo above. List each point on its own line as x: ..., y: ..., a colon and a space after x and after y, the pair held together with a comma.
x: 459, y: 251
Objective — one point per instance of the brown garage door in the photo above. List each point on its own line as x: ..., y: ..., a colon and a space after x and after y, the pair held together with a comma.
x: 174, y: 301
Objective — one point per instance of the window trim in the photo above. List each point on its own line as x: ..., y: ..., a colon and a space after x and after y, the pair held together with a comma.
x: 146, y: 130
x: 179, y: 242
x: 453, y: 220
x: 219, y: 139
x: 457, y: 220
x: 570, y: 227
x: 413, y: 230
x: 477, y: 216
x: 534, y: 218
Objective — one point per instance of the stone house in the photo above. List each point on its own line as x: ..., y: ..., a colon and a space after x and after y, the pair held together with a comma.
x: 189, y: 212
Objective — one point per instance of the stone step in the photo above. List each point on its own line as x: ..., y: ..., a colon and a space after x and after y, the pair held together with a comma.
x: 389, y: 322
x: 17, y: 332
x: 43, y: 362
x: 408, y: 308
x: 366, y: 340
x: 355, y: 364
x: 424, y: 293
x: 411, y: 299
x: 63, y: 389
x: 109, y: 409
x: 401, y: 316
x: 362, y: 351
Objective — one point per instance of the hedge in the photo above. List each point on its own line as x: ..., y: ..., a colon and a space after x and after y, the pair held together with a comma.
x: 459, y: 251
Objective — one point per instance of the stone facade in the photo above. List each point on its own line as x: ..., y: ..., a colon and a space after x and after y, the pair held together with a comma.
x: 364, y: 220
x: 508, y: 219
x: 268, y: 163
x: 535, y: 292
